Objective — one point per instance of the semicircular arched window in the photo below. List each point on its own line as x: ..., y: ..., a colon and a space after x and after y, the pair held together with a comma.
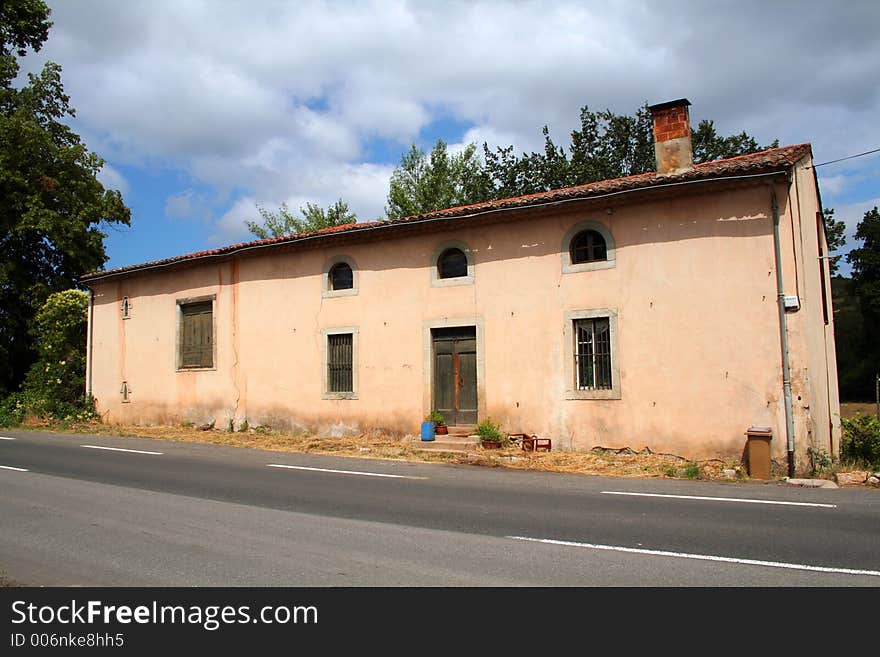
x: 588, y: 246
x: 452, y: 263
x: 341, y: 277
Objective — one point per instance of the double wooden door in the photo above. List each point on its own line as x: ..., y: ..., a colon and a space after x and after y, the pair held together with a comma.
x: 455, y: 374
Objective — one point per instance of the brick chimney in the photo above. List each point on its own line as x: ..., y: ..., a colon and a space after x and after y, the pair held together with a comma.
x: 672, y: 136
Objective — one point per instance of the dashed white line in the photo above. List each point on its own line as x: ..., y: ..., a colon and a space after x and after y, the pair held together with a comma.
x: 346, y: 472
x: 721, y: 499
x: 702, y: 557
x: 120, y: 449
x: 9, y: 467
x: 6, y: 438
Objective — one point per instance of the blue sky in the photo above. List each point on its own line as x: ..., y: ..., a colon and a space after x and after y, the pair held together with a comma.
x: 203, y: 110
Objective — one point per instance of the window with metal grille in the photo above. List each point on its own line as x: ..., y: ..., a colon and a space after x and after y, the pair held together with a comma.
x: 592, y: 354
x: 196, y: 335
x: 341, y: 277
x: 588, y: 246
x: 126, y: 308
x: 339, y: 363
x: 452, y: 263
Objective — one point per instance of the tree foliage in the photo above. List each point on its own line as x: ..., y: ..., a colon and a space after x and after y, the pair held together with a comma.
x: 865, y: 261
x: 606, y: 146
x: 59, y: 372
x: 55, y: 384
x: 52, y: 202
x: 314, y: 217
x: 835, y: 231
x: 426, y: 182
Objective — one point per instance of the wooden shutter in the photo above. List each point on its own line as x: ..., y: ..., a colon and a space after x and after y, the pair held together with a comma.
x: 197, y: 335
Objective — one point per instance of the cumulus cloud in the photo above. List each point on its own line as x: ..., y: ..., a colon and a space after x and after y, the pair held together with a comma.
x: 189, y: 206
x: 273, y: 101
x: 112, y: 179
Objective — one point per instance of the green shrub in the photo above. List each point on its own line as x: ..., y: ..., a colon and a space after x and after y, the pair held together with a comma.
x: 54, y: 387
x: 691, y: 471
x: 489, y: 430
x: 436, y: 417
x: 861, y: 440
x: 12, y: 410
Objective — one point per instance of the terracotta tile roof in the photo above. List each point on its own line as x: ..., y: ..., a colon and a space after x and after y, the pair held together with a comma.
x: 774, y: 159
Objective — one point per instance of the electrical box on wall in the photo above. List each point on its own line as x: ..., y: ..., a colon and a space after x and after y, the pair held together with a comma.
x: 792, y: 303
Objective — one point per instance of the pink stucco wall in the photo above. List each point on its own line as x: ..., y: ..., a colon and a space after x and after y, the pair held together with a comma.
x: 693, y: 287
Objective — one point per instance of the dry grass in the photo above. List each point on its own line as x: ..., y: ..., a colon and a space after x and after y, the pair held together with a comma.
x: 624, y: 463
x: 852, y: 409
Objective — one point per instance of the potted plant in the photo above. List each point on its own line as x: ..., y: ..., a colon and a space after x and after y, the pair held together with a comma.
x: 490, y: 434
x: 436, y: 417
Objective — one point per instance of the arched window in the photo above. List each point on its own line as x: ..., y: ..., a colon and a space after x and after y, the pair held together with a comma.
x: 588, y: 246
x: 341, y: 277
x: 452, y: 263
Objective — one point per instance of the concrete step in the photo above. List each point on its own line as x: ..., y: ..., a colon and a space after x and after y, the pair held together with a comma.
x: 462, y: 430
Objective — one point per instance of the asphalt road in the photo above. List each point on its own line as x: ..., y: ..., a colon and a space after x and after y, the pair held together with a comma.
x: 205, y: 515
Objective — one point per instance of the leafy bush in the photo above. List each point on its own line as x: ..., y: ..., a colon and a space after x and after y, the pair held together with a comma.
x: 861, y: 440
x: 489, y: 430
x: 55, y: 385
x: 436, y: 417
x: 691, y: 471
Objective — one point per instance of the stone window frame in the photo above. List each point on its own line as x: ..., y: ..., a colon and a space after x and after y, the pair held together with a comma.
x: 568, y: 267
x: 441, y: 248
x: 568, y: 333
x: 178, y: 333
x: 326, y: 291
x: 325, y: 383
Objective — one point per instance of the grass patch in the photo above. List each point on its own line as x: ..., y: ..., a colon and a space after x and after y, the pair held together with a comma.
x: 375, y: 445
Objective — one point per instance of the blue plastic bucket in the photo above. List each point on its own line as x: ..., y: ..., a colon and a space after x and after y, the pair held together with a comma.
x: 427, y: 431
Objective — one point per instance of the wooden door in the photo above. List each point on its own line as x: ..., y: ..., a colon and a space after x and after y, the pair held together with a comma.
x: 455, y: 374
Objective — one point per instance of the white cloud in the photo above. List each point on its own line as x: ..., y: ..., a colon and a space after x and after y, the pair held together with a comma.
x: 111, y: 178
x: 276, y: 100
x: 187, y: 205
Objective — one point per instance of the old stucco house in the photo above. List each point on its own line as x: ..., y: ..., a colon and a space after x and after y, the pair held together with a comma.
x: 671, y: 310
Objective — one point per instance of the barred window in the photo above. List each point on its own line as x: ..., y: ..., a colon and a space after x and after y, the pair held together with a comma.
x: 339, y: 363
x: 196, y: 337
x: 592, y: 354
x: 126, y: 308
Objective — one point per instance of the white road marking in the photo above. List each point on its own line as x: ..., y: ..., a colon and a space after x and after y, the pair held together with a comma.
x: 9, y: 467
x: 721, y: 499
x: 702, y: 557
x: 120, y: 449
x: 6, y: 438
x: 348, y: 472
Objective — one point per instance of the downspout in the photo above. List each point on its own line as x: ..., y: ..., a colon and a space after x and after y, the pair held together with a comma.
x: 89, y: 341
x: 783, y: 335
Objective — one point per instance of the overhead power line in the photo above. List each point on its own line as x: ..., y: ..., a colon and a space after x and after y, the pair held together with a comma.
x: 848, y: 157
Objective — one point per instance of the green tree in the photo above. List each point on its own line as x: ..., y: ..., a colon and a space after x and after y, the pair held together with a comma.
x: 865, y: 261
x: 709, y: 145
x: 835, y: 231
x: 606, y: 146
x: 427, y: 182
x: 314, y: 217
x: 52, y: 203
